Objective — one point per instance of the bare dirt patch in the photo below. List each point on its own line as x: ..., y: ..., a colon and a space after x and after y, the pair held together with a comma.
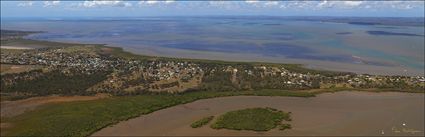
x: 8, y: 68
x: 106, y: 50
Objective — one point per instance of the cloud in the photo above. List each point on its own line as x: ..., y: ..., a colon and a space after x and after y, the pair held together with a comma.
x: 254, y: 5
x: 296, y: 5
x: 25, y: 4
x: 151, y: 2
x: 169, y: 1
x: 228, y: 5
x: 271, y: 3
x: 301, y: 4
x: 353, y: 3
x: 331, y: 4
x: 51, y: 3
x: 251, y: 1
x: 323, y: 4
x: 403, y: 4
x: 339, y: 4
x: 155, y: 2
x: 104, y: 3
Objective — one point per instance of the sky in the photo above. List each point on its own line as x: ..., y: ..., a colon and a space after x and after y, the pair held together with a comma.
x: 118, y: 8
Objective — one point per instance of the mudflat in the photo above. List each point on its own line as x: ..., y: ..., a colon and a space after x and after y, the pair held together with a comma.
x: 340, y: 113
x: 14, y: 108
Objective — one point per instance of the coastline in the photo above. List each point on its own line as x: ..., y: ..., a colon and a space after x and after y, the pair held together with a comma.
x: 239, y: 57
x: 189, y: 98
x: 349, y: 116
x: 156, y: 51
x: 88, y: 74
x: 15, y: 47
x: 104, y: 106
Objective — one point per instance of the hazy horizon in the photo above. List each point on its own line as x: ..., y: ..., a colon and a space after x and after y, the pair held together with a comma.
x: 153, y: 8
x: 166, y: 16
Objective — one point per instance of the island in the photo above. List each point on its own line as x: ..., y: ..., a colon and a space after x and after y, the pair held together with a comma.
x: 256, y: 119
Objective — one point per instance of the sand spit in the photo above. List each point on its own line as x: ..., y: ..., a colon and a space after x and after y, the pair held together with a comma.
x: 341, y: 113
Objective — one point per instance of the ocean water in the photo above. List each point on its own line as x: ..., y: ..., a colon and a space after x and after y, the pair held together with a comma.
x: 374, y: 45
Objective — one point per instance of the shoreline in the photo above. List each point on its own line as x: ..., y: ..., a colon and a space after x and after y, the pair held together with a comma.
x: 179, y: 124
x: 190, y: 98
x: 15, y: 47
x: 17, y: 107
x: 149, y: 51
x: 242, y: 57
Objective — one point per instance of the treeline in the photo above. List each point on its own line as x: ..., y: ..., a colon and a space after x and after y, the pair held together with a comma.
x: 55, y: 82
x: 220, y: 80
x: 391, y: 85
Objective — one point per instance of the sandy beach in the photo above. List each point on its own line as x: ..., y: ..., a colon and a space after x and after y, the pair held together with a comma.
x: 341, y: 113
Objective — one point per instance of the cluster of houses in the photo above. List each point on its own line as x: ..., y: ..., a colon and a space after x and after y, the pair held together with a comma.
x: 155, y: 70
x: 166, y: 70
x: 83, y: 61
x: 309, y: 80
x: 59, y: 58
x: 375, y: 81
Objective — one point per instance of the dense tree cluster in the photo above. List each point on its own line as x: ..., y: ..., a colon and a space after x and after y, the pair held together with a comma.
x: 54, y: 82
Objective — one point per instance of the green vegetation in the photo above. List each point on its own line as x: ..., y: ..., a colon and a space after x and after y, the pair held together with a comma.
x: 13, y: 34
x: 201, y: 122
x: 119, y: 52
x: 47, y: 83
x: 257, y: 119
x: 36, y: 43
x: 300, y: 69
x: 85, y: 117
x: 285, y: 126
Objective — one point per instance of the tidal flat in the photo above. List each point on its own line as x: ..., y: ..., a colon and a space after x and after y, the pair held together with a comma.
x: 341, y: 113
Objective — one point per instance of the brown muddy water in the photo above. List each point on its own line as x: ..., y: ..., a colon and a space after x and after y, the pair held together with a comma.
x: 341, y: 113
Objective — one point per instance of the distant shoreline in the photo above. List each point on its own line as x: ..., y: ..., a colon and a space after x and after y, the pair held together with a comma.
x: 242, y: 57
x: 239, y: 57
x: 413, y: 21
x: 245, y: 57
x: 15, y: 47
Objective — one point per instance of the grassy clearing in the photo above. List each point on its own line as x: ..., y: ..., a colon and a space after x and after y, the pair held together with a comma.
x: 85, y: 117
x: 256, y: 119
x: 201, y: 122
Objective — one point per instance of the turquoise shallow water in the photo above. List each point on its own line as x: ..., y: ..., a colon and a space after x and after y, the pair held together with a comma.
x: 273, y: 38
